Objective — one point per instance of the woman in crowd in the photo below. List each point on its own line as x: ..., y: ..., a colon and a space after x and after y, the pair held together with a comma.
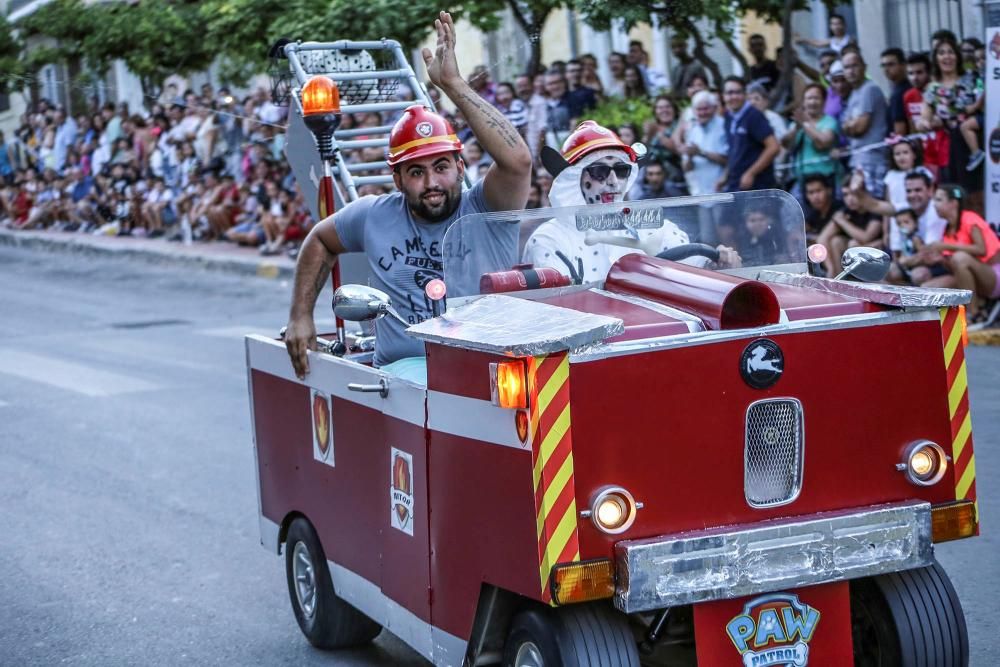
x: 905, y: 155
x: 943, y: 113
x: 812, y: 137
x: 659, y: 135
x: 635, y: 83
x: 589, y: 77
x: 972, y: 250
x: 616, y: 64
x: 628, y: 133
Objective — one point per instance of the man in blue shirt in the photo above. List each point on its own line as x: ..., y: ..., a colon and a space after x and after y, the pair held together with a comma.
x: 752, y: 145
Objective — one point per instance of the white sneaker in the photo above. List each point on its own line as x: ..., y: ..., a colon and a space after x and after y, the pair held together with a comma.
x: 975, y: 160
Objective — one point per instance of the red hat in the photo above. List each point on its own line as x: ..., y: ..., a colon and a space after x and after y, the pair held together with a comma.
x: 589, y: 137
x: 419, y: 133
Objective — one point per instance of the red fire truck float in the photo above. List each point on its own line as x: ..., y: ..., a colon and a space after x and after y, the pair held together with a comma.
x: 666, y: 465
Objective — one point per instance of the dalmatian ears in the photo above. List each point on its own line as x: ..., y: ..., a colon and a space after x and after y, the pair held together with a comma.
x: 553, y: 161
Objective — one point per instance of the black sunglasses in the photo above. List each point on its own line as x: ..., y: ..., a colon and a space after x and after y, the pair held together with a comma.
x: 600, y: 172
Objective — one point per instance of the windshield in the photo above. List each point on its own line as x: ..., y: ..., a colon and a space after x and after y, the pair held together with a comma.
x: 764, y: 227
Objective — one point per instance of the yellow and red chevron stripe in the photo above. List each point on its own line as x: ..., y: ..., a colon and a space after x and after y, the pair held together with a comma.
x: 552, y: 466
x: 963, y: 457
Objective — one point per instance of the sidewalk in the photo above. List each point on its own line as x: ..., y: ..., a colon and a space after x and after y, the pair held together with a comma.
x: 212, y: 255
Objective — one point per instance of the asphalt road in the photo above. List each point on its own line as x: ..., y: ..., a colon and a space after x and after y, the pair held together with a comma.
x: 128, y: 511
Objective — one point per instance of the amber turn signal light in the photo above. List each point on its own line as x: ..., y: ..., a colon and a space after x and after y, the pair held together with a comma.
x: 954, y: 521
x: 965, y: 326
x: 509, y: 384
x: 582, y: 582
x: 320, y: 95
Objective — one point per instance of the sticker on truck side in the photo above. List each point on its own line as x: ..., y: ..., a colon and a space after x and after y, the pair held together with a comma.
x: 322, y: 427
x: 401, y: 491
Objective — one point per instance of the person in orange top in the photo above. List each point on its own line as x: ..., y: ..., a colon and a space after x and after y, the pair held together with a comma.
x: 972, y: 249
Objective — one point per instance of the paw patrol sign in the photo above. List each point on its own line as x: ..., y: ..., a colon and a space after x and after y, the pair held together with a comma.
x: 774, y: 629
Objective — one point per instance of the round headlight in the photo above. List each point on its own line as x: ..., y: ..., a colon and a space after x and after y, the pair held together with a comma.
x: 925, y: 463
x: 613, y: 510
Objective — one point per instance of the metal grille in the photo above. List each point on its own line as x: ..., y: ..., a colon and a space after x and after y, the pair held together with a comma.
x: 772, y: 459
x: 335, y: 61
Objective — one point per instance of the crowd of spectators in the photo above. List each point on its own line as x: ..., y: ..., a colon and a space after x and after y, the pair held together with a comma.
x: 193, y: 167
x: 205, y: 166
x: 853, y: 153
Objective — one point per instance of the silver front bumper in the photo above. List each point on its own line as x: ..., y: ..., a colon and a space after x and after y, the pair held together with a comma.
x: 731, y: 562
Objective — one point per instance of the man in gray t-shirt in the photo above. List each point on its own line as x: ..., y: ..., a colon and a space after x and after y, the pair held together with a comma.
x: 864, y: 121
x: 402, y: 233
x: 405, y: 253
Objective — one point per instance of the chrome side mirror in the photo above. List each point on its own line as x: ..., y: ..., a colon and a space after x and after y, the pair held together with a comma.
x: 869, y: 265
x: 359, y: 303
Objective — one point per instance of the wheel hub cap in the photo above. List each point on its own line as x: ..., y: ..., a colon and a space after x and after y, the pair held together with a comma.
x: 528, y: 655
x: 305, y: 579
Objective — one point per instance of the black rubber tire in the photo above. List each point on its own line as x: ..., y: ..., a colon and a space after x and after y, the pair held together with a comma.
x: 911, y: 619
x: 334, y: 624
x: 585, y: 635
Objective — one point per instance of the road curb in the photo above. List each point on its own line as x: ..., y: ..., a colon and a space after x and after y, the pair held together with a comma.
x: 985, y: 337
x: 163, y: 253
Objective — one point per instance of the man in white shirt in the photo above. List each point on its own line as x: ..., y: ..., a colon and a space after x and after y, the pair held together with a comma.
x: 705, y: 146
x: 926, y: 264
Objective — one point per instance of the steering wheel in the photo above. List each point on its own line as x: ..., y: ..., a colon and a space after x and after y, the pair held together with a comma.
x: 677, y: 253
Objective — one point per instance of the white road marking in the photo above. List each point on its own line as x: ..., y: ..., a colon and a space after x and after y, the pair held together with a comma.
x: 80, y: 378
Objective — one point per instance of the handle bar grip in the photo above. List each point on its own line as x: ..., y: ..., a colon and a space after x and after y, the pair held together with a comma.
x: 677, y: 253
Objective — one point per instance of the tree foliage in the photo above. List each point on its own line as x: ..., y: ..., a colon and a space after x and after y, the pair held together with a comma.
x: 157, y: 38
x: 153, y: 37
x: 242, y: 30
x: 688, y: 18
x: 12, y: 65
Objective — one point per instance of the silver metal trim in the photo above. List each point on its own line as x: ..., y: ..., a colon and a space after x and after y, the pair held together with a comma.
x: 475, y: 419
x: 750, y: 559
x: 889, y: 295
x: 270, y: 532
x: 622, y: 348
x: 908, y: 469
x: 253, y: 440
x: 501, y: 324
x: 603, y: 493
x: 440, y: 647
x: 801, y: 444
x: 332, y: 374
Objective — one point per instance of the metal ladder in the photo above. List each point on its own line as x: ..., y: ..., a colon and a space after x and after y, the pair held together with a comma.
x: 368, y: 75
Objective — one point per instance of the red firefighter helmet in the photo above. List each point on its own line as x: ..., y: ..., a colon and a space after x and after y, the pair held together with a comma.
x: 418, y: 133
x: 589, y: 137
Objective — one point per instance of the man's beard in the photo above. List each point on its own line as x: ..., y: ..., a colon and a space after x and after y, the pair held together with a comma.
x: 440, y: 212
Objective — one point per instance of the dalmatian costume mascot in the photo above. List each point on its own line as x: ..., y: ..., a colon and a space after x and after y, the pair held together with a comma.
x: 596, y: 167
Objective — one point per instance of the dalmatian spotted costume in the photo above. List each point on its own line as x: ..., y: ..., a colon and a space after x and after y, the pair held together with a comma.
x: 336, y: 61
x: 560, y: 235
